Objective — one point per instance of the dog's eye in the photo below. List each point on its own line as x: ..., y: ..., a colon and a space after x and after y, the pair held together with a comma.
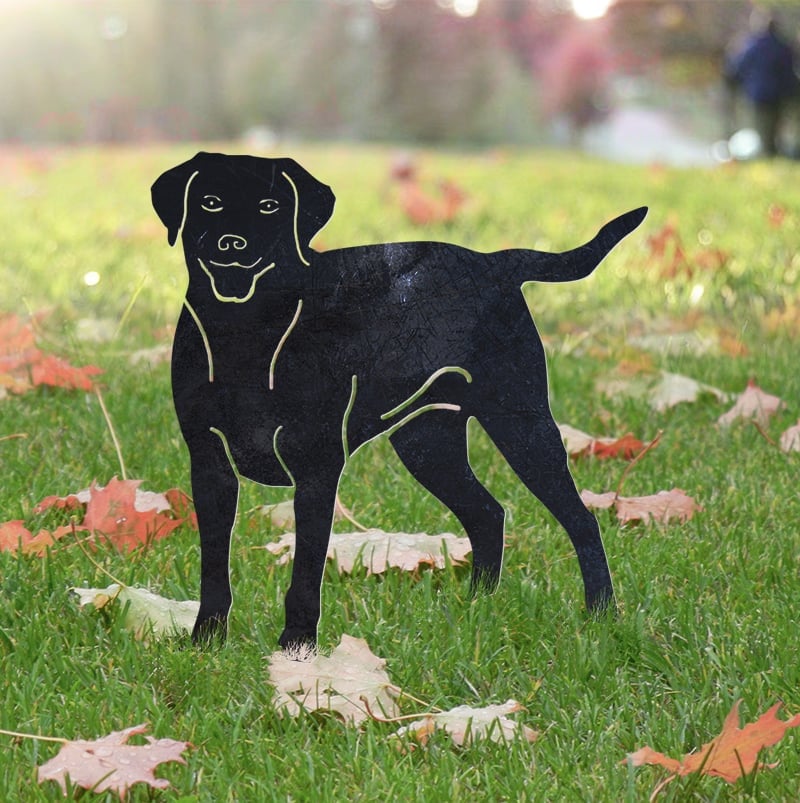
x: 211, y: 203
x: 268, y: 206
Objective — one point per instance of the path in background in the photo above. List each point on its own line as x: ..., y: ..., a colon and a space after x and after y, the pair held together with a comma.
x: 643, y: 135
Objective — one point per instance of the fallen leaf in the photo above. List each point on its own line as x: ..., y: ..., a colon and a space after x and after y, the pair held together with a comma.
x: 752, y: 404
x: 625, y: 447
x: 281, y: 515
x: 790, y: 439
x: 672, y: 389
x: 622, y: 382
x: 466, y: 725
x: 676, y: 344
x: 109, y: 763
x: 120, y: 513
x: 425, y: 206
x: 733, y: 754
x: 123, y: 514
x: 145, y: 612
x: 378, y: 551
x: 14, y: 534
x: 660, y: 507
x: 334, y: 683
x: 38, y: 544
x: 151, y: 357
x: 662, y: 391
x: 776, y: 215
x: 96, y: 330
x: 53, y: 371
x: 16, y: 537
x: 667, y: 246
x: 23, y: 366
x: 579, y: 444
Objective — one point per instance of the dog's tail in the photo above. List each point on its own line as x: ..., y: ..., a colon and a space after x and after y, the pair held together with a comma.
x: 539, y: 266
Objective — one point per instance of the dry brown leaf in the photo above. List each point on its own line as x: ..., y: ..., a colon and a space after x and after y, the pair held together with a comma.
x: 465, y: 724
x: 151, y: 357
x: 790, y: 439
x: 677, y: 344
x: 335, y: 683
x: 663, y: 390
x: 110, y: 763
x: 733, y: 754
x: 660, y: 507
x: 752, y: 404
x: 281, y: 514
x: 575, y: 440
x: 145, y: 612
x: 673, y: 389
x: 378, y: 551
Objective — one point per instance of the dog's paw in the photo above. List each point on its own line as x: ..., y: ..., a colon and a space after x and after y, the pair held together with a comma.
x: 602, y: 604
x: 210, y: 631
x: 484, y: 581
x: 297, y: 645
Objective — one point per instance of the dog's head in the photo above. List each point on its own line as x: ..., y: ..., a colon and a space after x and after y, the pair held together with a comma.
x: 240, y: 217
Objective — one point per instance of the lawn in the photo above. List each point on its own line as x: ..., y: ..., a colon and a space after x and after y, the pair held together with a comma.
x: 707, y: 287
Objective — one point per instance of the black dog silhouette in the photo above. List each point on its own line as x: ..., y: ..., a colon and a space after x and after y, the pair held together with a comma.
x: 287, y: 360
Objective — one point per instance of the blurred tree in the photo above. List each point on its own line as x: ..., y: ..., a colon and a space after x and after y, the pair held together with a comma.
x: 431, y: 70
x: 436, y: 71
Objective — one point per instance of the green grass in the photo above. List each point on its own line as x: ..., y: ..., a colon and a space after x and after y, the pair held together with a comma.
x: 708, y: 607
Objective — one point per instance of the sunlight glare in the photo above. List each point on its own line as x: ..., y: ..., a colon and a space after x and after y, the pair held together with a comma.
x: 466, y: 8
x: 590, y: 9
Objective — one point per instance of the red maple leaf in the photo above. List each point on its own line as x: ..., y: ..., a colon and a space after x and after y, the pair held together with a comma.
x: 16, y: 537
x: 51, y: 370
x: 13, y: 534
x: 113, y: 513
x: 69, y: 502
x: 23, y: 366
x: 119, y: 513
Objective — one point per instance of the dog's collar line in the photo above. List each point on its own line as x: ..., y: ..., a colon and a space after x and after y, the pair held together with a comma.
x: 234, y: 299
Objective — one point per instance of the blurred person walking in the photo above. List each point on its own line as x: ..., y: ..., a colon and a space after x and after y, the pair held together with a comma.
x: 763, y: 70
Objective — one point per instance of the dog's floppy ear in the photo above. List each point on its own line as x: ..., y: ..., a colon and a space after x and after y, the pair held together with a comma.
x: 169, y: 196
x: 313, y: 202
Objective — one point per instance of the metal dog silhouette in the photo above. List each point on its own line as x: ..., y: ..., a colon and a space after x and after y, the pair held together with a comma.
x: 286, y: 360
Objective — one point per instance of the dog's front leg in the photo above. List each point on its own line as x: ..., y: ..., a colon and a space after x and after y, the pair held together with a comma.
x: 314, y: 501
x: 215, y: 489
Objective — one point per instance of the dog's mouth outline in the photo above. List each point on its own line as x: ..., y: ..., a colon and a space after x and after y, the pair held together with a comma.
x: 234, y: 264
x: 234, y: 299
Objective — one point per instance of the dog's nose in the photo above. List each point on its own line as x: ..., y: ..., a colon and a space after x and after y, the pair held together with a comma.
x: 231, y: 241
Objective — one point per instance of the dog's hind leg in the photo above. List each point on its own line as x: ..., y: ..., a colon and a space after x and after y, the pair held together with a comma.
x: 433, y: 448
x: 532, y: 446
